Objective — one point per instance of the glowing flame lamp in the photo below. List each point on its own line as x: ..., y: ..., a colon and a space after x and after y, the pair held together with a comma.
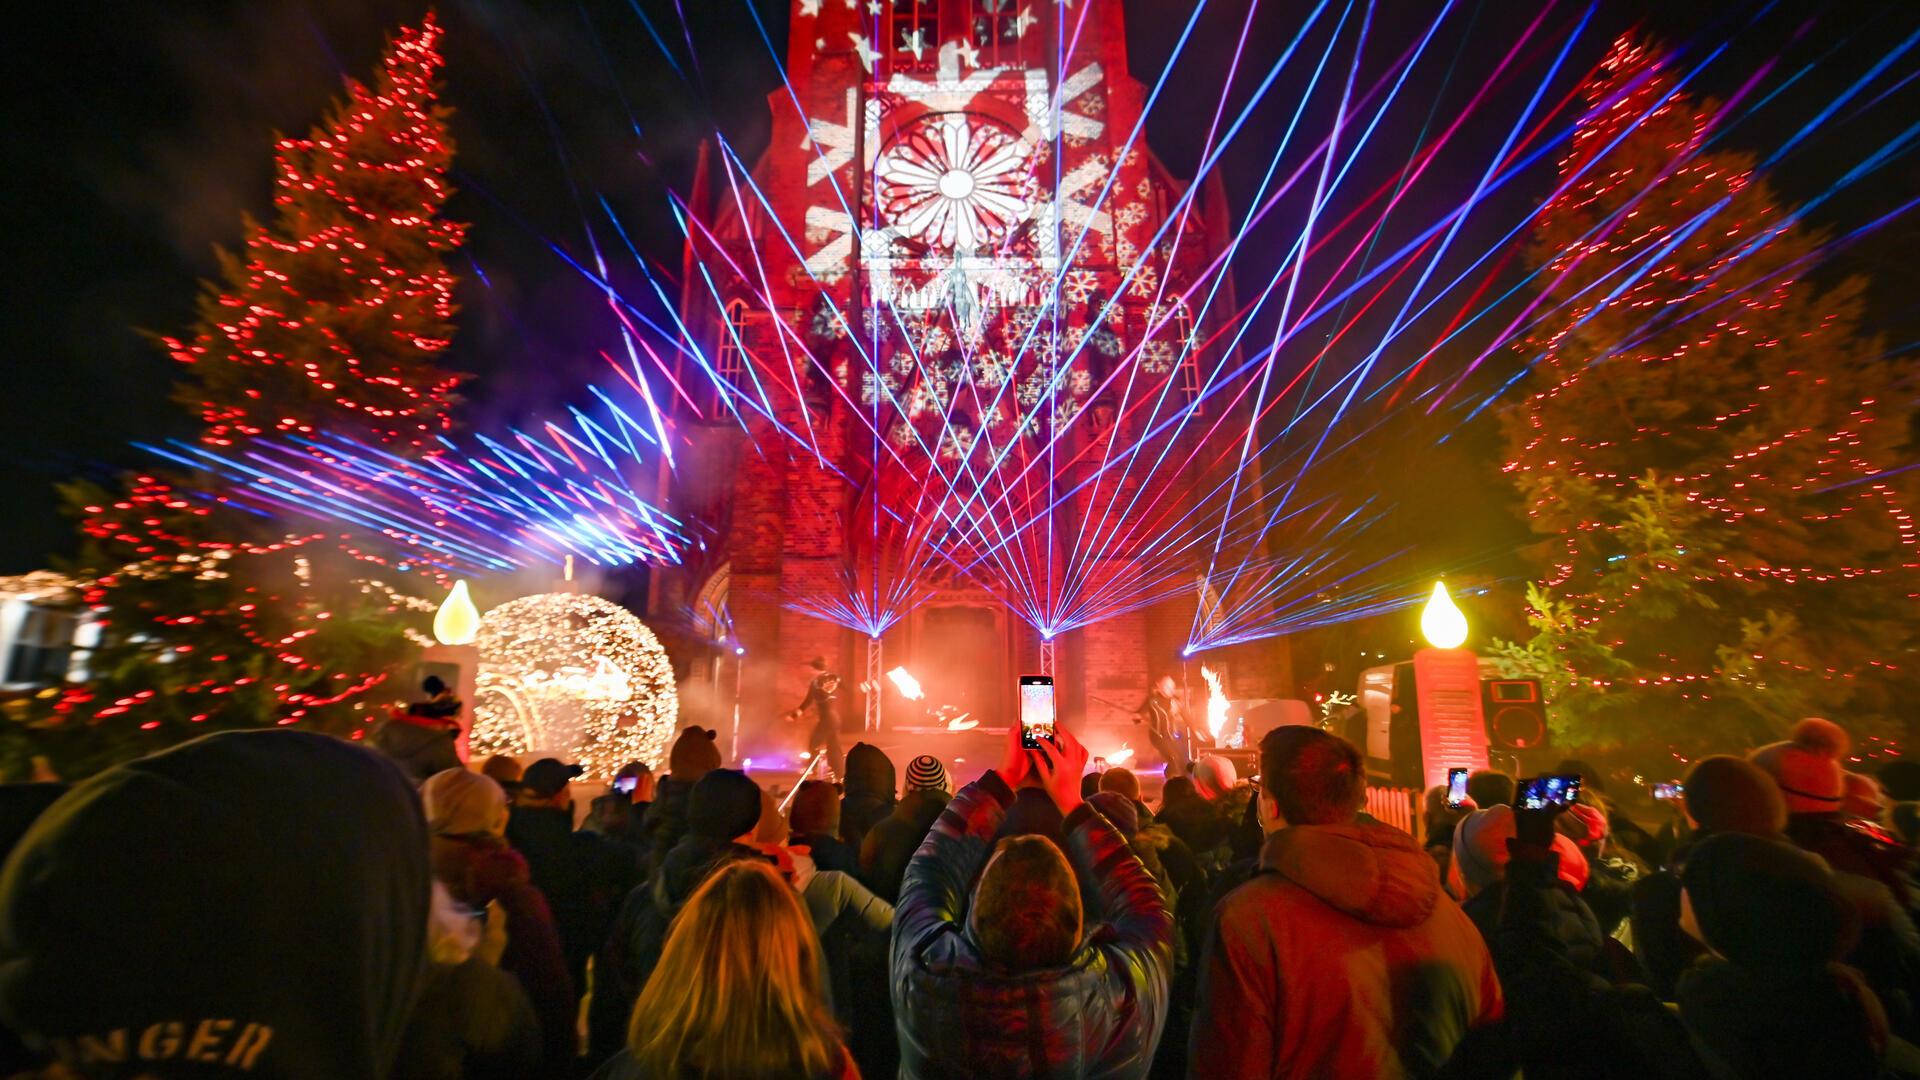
x: 1441, y: 621
x: 458, y: 621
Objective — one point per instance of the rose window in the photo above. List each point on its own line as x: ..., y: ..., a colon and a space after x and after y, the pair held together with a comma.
x: 956, y: 182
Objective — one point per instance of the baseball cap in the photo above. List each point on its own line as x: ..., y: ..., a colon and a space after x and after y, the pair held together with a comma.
x: 544, y: 778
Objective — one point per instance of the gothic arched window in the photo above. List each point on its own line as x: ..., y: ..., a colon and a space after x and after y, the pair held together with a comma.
x: 732, y: 356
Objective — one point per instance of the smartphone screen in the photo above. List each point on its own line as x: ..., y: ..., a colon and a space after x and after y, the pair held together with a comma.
x: 1667, y: 792
x: 625, y: 784
x: 1456, y: 788
x: 1036, y: 710
x: 1543, y: 791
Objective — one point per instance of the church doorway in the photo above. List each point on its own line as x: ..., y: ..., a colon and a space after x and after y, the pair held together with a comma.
x: 961, y: 655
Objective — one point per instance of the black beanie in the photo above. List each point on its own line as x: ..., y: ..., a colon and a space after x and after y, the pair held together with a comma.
x: 1764, y: 903
x: 249, y: 904
x: 724, y: 804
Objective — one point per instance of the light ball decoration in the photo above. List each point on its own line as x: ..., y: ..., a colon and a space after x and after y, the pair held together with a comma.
x: 573, y: 675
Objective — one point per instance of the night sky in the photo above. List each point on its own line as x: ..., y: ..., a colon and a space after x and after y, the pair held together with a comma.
x: 137, y: 135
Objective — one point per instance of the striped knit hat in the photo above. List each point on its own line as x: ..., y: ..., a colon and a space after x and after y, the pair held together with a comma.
x: 926, y: 771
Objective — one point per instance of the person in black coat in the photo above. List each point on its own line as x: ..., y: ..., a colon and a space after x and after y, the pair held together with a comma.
x: 583, y: 876
x: 869, y: 783
x: 890, y: 844
x: 1564, y: 1019
x: 1773, y: 1000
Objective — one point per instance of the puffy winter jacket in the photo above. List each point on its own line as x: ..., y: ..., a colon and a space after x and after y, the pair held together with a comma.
x: 471, y: 1022
x: 1341, y: 958
x: 1098, y: 1016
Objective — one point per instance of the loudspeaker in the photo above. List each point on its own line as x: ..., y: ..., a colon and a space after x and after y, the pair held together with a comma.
x: 1516, y: 713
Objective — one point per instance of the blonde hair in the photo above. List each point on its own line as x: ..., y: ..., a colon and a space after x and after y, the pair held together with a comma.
x: 737, y: 990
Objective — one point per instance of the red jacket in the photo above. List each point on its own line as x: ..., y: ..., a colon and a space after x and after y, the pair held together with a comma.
x: 1341, y: 958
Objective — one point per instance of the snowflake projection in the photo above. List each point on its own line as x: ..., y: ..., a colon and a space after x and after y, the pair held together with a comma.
x: 827, y: 324
x: 902, y: 434
x: 1108, y: 343
x: 956, y: 182
x: 1065, y: 410
x: 902, y: 361
x: 1077, y: 285
x: 957, y: 444
x: 1156, y: 357
x: 936, y: 340
x: 1146, y: 281
x: 1079, y: 382
x: 876, y: 388
x: 1044, y: 347
x: 1032, y: 388
x: 575, y: 676
x: 991, y: 369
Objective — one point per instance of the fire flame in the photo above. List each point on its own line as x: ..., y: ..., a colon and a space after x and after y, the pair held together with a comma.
x: 1216, y: 702
x: 909, y: 686
x: 1120, y: 757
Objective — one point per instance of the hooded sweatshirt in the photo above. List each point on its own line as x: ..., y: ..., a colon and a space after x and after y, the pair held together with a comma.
x: 249, y: 904
x: 870, y: 787
x: 1343, y: 957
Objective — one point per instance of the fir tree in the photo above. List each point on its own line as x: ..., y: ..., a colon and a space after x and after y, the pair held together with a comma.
x: 333, y: 320
x: 1702, y: 441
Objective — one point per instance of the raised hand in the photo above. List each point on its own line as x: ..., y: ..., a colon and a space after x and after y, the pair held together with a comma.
x: 1014, y: 760
x: 1060, y: 762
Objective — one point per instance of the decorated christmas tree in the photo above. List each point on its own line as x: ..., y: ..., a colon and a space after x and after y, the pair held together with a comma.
x: 332, y: 320
x: 1703, y: 441
x: 336, y: 313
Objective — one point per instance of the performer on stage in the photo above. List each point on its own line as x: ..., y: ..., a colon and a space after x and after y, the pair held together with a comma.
x: 823, y: 697
x: 1168, y: 726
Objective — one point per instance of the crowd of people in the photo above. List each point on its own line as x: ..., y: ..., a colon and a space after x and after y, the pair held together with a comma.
x: 282, y: 904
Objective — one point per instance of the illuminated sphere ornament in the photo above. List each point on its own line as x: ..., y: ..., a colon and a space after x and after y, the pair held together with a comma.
x: 1441, y: 621
x: 458, y: 620
x: 574, y: 676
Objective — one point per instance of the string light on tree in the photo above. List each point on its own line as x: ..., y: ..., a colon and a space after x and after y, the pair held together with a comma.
x: 576, y: 675
x: 330, y: 320
x: 1705, y: 437
x: 344, y: 297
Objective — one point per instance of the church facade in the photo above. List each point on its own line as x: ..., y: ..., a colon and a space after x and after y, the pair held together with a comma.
x: 982, y: 407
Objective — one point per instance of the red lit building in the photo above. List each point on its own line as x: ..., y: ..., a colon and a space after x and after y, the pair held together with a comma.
x: 955, y: 302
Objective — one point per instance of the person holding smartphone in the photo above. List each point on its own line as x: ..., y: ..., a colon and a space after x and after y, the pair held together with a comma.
x: 998, y: 969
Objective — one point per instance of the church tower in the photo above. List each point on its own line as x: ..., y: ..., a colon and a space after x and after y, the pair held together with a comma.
x: 978, y: 400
